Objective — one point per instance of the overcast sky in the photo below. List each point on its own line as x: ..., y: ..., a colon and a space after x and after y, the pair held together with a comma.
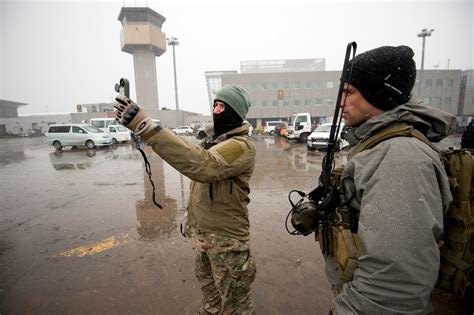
x: 56, y: 54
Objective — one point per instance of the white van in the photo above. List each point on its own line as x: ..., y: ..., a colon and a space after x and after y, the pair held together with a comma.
x: 103, y: 123
x: 270, y: 126
x: 61, y: 136
x: 119, y: 133
x: 318, y: 139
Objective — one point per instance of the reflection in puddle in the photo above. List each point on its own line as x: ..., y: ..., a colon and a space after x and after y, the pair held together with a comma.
x: 171, y: 189
x: 11, y: 157
x: 81, y: 159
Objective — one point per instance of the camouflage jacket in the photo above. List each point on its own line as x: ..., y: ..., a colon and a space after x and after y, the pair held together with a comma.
x: 220, y: 179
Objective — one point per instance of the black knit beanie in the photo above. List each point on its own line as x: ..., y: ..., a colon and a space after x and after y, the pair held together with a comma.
x: 385, y: 76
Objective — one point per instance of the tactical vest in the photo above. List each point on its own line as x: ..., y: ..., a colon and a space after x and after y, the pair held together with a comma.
x: 457, y: 244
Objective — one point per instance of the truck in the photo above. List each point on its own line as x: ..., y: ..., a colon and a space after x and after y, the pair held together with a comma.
x: 299, y: 127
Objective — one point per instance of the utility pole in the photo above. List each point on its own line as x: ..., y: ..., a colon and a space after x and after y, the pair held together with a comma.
x: 424, y: 32
x: 173, y: 41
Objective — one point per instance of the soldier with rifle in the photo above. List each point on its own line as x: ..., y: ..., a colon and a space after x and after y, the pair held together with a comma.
x: 379, y: 218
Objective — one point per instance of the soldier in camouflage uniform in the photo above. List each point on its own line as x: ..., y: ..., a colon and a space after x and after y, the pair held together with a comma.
x: 220, y: 170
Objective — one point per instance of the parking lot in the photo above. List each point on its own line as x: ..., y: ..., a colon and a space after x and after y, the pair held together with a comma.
x: 79, y: 233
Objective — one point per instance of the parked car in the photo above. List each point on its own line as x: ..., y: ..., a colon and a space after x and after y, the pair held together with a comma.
x: 119, y: 133
x: 183, y: 130
x: 279, y: 127
x: 270, y: 126
x: 318, y: 139
x: 103, y: 123
x: 73, y: 135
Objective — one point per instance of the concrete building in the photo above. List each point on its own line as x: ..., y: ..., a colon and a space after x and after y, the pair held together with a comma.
x: 12, y: 125
x: 466, y: 101
x: 278, y: 91
x: 440, y: 89
x: 142, y: 37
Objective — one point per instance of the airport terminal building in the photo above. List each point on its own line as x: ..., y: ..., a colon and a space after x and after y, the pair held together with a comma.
x: 279, y: 88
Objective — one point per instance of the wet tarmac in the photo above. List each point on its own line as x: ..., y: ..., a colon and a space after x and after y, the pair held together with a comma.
x: 79, y: 232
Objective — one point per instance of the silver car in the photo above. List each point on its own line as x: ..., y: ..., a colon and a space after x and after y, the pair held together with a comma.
x: 64, y: 135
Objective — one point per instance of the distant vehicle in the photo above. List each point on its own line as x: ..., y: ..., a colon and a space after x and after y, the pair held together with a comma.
x: 103, y: 123
x: 119, y: 133
x: 183, y: 130
x: 61, y: 136
x: 270, y: 126
x: 280, y: 127
x: 299, y: 127
x: 318, y: 139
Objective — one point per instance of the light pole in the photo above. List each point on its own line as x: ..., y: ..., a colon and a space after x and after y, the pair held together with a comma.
x: 173, y: 41
x: 424, y: 32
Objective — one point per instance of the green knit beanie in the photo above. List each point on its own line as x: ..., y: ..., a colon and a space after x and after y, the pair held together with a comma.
x: 236, y: 97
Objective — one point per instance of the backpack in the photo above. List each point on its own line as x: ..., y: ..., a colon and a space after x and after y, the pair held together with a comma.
x: 456, y: 272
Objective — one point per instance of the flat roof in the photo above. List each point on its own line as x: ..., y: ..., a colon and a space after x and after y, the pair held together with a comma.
x: 7, y: 103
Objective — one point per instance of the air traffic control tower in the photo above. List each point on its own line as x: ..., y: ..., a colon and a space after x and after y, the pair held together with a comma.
x: 142, y: 37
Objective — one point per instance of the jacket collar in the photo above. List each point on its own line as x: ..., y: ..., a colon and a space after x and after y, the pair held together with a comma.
x: 239, y: 131
x: 433, y: 123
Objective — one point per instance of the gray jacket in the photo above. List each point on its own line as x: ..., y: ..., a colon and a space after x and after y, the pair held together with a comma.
x: 399, y: 188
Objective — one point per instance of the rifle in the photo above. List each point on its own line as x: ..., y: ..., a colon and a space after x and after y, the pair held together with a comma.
x: 314, y: 207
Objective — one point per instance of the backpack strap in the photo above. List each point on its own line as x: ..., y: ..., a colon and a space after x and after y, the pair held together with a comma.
x: 399, y: 130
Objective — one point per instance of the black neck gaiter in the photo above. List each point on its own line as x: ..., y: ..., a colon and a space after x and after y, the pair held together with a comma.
x: 226, y: 121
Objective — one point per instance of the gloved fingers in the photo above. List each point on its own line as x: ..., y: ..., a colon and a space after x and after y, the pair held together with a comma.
x: 122, y: 102
x: 130, y: 114
x: 122, y: 99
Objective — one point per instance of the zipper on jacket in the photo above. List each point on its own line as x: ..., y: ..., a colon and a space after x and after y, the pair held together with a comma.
x: 231, y: 186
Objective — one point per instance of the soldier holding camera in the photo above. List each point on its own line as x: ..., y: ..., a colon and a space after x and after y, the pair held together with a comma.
x: 218, y: 221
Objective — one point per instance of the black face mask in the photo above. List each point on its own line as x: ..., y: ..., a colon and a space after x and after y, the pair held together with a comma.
x: 226, y: 121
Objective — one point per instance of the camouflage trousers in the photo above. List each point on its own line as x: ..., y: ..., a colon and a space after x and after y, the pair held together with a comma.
x: 225, y: 270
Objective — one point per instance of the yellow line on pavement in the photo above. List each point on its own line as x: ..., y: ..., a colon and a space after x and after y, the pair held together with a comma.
x: 99, y: 247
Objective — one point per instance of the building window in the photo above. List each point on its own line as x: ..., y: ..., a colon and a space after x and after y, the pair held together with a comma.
x: 307, y: 102
x: 417, y: 82
x: 274, y: 103
x: 437, y: 101
x: 450, y: 83
x: 329, y: 102
x: 296, y: 102
x: 297, y: 85
x: 426, y: 100
x: 286, y: 85
x: 253, y: 86
x: 307, y: 84
x: 319, y: 84
x: 429, y: 83
x: 276, y: 85
x: 285, y: 103
x: 318, y: 102
x: 264, y: 103
x: 439, y: 82
x: 330, y: 84
x: 447, y: 100
x: 264, y: 86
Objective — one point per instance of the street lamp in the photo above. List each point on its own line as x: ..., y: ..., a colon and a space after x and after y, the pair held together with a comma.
x: 424, y: 32
x: 173, y: 41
